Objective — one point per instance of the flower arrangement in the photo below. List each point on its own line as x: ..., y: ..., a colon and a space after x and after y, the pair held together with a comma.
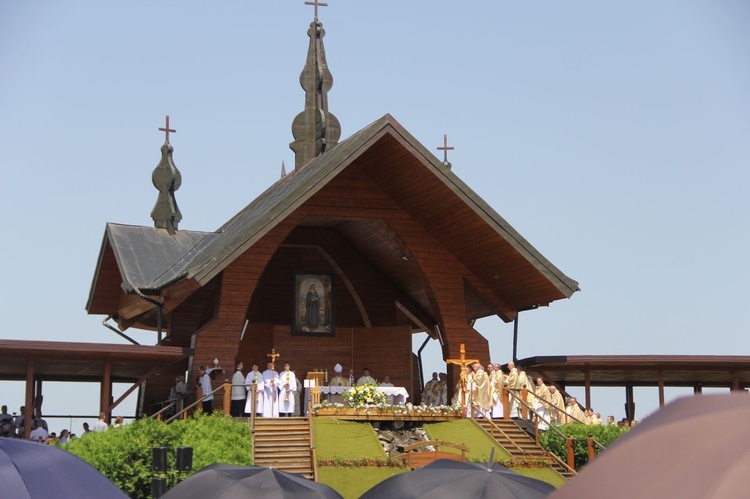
x: 395, y: 410
x: 378, y: 462
x: 364, y: 395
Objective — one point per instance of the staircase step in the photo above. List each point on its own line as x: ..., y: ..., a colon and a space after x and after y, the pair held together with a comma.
x: 284, y: 444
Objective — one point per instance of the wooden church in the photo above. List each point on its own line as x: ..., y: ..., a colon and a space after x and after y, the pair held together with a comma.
x: 366, y: 242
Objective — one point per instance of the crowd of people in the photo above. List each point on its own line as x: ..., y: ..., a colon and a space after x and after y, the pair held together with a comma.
x: 482, y: 390
x: 14, y: 426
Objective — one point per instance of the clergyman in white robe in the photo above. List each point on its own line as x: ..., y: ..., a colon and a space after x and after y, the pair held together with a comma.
x: 271, y: 392
x: 256, y: 377
x: 288, y: 386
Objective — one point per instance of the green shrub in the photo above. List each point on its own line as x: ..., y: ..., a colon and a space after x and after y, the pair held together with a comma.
x: 554, y: 442
x: 124, y: 455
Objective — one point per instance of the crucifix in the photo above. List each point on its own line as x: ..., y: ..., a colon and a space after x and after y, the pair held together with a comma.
x: 463, y: 362
x: 274, y: 354
x: 316, y: 4
x: 445, y: 148
x: 167, y: 130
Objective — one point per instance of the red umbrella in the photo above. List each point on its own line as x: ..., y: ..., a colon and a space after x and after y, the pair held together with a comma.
x: 695, y: 447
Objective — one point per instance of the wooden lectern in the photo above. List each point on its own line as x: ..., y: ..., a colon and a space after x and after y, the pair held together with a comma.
x: 318, y: 377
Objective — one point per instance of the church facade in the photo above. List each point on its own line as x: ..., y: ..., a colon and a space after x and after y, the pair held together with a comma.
x: 366, y: 242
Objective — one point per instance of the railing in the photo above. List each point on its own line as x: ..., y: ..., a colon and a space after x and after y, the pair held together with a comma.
x: 570, y: 464
x: 494, y: 427
x: 313, y: 452
x: 200, y: 401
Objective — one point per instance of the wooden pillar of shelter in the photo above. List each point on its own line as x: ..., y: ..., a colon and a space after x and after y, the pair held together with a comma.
x: 629, y: 402
x: 106, y: 389
x: 27, y: 414
x: 661, y: 388
x: 587, y: 387
x: 735, y: 381
x: 697, y: 389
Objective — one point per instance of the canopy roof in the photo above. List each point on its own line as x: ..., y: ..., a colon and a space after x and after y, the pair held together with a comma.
x: 508, y: 273
x: 643, y: 370
x: 69, y: 361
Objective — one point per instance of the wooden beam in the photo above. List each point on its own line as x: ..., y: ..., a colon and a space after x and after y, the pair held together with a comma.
x: 130, y: 390
x: 131, y: 305
x: 416, y: 320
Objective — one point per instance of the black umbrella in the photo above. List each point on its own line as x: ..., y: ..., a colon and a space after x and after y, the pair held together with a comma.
x: 447, y: 478
x: 228, y: 481
x: 30, y: 470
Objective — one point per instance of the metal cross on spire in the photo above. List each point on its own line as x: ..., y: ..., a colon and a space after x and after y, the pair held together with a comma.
x: 316, y: 4
x: 167, y: 130
x: 445, y: 149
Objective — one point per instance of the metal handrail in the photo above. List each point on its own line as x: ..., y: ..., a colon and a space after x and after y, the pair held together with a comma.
x: 194, y: 404
x: 495, y: 427
x: 550, y: 425
x: 532, y: 392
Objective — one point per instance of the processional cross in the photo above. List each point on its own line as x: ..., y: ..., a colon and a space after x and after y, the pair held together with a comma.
x: 167, y: 130
x: 463, y: 362
x: 274, y: 354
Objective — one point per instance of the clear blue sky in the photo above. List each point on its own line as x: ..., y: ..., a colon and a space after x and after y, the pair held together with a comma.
x: 615, y: 136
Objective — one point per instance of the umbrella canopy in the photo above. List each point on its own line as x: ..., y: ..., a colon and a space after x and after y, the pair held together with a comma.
x: 228, y: 481
x: 30, y: 470
x: 693, y: 447
x: 447, y: 478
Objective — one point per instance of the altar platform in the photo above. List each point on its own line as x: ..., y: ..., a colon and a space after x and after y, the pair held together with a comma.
x: 394, y: 413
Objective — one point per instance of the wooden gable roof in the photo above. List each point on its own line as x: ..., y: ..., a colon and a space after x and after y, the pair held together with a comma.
x: 508, y: 273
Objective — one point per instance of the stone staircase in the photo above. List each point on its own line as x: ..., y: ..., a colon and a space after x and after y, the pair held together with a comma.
x: 284, y: 444
x: 519, y: 443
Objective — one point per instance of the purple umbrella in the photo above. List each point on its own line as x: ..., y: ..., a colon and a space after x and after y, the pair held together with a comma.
x: 446, y: 478
x: 30, y: 470
x: 229, y: 481
x: 695, y: 447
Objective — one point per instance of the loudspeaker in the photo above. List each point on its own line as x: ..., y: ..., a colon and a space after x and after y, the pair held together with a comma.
x: 159, y: 462
x: 184, y: 458
x: 158, y: 487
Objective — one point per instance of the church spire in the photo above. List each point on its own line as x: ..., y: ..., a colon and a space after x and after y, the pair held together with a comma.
x: 315, y: 130
x: 167, y: 179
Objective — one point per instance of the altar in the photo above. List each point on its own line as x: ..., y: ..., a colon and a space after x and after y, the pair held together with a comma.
x: 397, y: 395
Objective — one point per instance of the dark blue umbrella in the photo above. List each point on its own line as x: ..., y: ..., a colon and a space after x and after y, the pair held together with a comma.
x: 229, y: 481
x: 447, y: 478
x: 30, y: 470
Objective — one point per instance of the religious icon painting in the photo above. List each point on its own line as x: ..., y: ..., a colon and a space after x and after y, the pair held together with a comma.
x: 313, y: 304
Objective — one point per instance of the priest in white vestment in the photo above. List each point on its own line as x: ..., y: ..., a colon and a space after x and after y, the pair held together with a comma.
x: 366, y: 379
x: 287, y: 390
x: 271, y: 387
x: 254, y: 376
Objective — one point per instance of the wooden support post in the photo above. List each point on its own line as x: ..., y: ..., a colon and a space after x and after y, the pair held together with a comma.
x: 524, y: 409
x: 227, y: 398
x: 587, y: 386
x: 536, y: 429
x: 661, y: 388
x: 629, y: 403
x: 506, y: 403
x: 735, y: 381
x: 590, y: 447
x: 697, y: 389
x: 105, y: 392
x: 27, y: 413
x: 571, y: 455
